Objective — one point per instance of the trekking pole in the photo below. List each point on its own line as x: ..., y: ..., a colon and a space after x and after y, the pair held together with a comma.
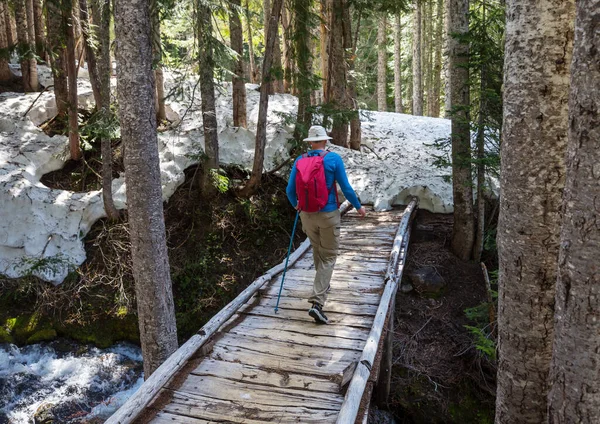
x: 286, y: 260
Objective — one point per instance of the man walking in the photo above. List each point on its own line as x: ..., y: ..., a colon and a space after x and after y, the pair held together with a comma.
x: 323, y: 226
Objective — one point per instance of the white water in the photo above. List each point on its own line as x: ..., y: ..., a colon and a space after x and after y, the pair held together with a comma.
x: 77, y: 383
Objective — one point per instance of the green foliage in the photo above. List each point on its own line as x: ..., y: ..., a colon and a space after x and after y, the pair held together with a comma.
x: 100, y: 125
x: 483, y: 342
x: 483, y: 330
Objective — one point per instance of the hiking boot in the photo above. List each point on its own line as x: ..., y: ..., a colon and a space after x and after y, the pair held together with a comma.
x: 317, y: 313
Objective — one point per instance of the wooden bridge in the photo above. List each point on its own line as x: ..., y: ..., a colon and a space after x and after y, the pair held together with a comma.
x: 252, y: 365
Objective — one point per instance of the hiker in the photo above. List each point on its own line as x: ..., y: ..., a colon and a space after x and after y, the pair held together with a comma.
x: 319, y: 209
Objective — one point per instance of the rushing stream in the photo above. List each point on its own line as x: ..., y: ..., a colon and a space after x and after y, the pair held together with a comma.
x: 66, y: 382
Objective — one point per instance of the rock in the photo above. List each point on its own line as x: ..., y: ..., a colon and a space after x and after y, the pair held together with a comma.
x: 427, y: 279
x: 44, y: 414
x: 406, y: 288
x: 378, y: 416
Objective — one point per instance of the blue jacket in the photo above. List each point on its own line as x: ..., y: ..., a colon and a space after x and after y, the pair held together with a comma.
x: 334, y: 170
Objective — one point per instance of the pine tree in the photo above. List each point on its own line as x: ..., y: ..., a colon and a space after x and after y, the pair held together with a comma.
x: 5, y: 74
x: 56, y: 27
x: 238, y: 85
x: 417, y: 74
x: 382, y: 64
x: 534, y: 137
x: 150, y: 262
x: 398, y: 64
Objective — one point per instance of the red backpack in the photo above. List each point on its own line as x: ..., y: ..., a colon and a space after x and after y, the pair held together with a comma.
x: 311, y: 187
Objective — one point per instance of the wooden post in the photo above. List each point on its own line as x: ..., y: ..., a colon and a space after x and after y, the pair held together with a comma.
x: 384, y: 379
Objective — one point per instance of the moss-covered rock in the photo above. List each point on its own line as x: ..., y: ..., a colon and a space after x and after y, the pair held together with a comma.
x: 43, y: 335
x: 5, y: 337
x: 103, y: 333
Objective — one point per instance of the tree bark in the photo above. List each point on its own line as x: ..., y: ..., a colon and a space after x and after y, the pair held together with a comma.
x: 11, y: 27
x: 480, y: 141
x: 238, y: 85
x: 161, y: 114
x: 23, y: 43
x: 207, y: 92
x: 90, y: 54
x: 301, y: 39
x: 382, y: 64
x: 576, y: 354
x: 74, y: 147
x: 263, y: 105
x: 156, y: 314
x: 350, y: 45
x: 416, y: 61
x: 536, y: 82
x: 325, y: 18
x: 463, y: 230
x: 56, y: 27
x: 5, y: 74
x: 437, y: 67
x: 398, y: 64
x: 253, y: 69
x: 287, y: 49
x: 79, y: 49
x: 337, y: 74
x: 40, y: 36
x: 33, y: 73
x: 429, y: 32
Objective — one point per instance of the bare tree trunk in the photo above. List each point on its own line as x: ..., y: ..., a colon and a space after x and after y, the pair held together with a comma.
x: 74, y: 147
x: 382, y: 64
x: 5, y: 74
x: 350, y: 46
x: 398, y: 64
x: 287, y: 50
x: 261, y: 125
x: 337, y: 73
x: 23, y: 43
x: 480, y: 140
x: 463, y: 230
x: 430, y: 65
x: 576, y: 354
x: 238, y: 85
x: 11, y: 26
x: 417, y: 61
x: 40, y: 36
x: 448, y: 42
x: 101, y: 16
x: 437, y: 67
x: 159, y: 99
x: 536, y: 87
x: 33, y: 73
x: 253, y: 69
x: 304, y: 62
x: 156, y: 312
x: 207, y: 90
x: 56, y: 27
x: 325, y: 18
x: 77, y: 31
x: 90, y: 54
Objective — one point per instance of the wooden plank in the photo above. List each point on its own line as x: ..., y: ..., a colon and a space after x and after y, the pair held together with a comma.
x: 269, y: 355
x: 223, y: 389
x: 333, y: 306
x: 269, y: 378
x: 302, y: 290
x: 302, y: 316
x: 167, y: 418
x: 354, y: 394
x: 244, y: 412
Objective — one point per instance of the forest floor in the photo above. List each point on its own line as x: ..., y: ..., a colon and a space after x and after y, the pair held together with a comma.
x: 438, y: 375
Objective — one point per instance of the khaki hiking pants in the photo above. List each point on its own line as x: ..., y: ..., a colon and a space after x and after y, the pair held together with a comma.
x: 323, y: 231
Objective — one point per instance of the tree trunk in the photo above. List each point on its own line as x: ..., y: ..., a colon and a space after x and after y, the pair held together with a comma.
x: 287, y: 50
x: 11, y: 27
x: 5, y: 74
x: 74, y: 147
x: 261, y: 125
x: 90, y: 54
x: 437, y: 67
x: 101, y: 16
x: 536, y: 83
x: 253, y: 69
x: 350, y: 46
x: 40, y: 36
x: 56, y: 27
x: 416, y: 61
x: 463, y: 230
x: 480, y: 140
x: 337, y: 75
x: 33, y: 73
x: 77, y: 31
x: 238, y: 85
x: 576, y: 355
x: 156, y: 313
x: 23, y: 46
x: 398, y: 64
x: 301, y: 39
x: 159, y: 99
x: 207, y: 92
x: 448, y: 40
x: 325, y: 18
x: 430, y: 65
x: 382, y: 64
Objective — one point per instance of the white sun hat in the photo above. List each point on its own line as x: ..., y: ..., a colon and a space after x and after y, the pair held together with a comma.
x: 317, y: 133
